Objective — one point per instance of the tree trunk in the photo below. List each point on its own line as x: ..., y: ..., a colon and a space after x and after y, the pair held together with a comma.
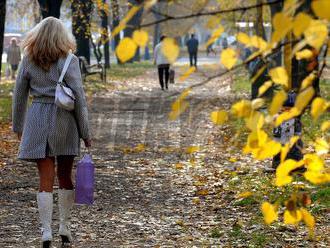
x: 260, y: 30
x: 81, y: 24
x: 105, y: 34
x: 132, y: 24
x: 2, y: 28
x: 115, y: 23
x: 50, y: 8
x: 157, y: 30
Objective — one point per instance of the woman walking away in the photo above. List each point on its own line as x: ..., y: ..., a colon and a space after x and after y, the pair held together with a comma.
x: 13, y: 56
x: 162, y: 63
x: 49, y: 133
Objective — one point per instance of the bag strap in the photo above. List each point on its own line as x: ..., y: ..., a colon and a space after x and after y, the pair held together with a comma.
x: 65, y: 68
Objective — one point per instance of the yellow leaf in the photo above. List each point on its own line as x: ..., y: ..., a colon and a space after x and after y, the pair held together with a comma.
x: 283, y: 171
x: 192, y: 149
x: 126, y: 49
x: 244, y: 194
x: 257, y: 103
x: 196, y: 200
x: 307, y: 81
x: 243, y: 38
x: 215, y: 35
x: 313, y: 162
x: 178, y: 107
x: 319, y: 105
x: 255, y: 121
x: 316, y: 34
x: 321, y: 146
x: 228, y: 58
x: 139, y: 148
x: 186, y: 74
x: 325, y: 126
x: 279, y: 76
x: 258, y: 42
x: 268, y: 150
x: 257, y: 139
x: 308, y: 219
x: 304, y: 54
x: 301, y: 22
x: 117, y: 29
x: 321, y: 8
x: 277, y: 102
x: 219, y: 117
x: 287, y: 115
x: 170, y: 49
x: 264, y: 87
x: 213, y: 21
x: 242, y: 108
x: 202, y: 192
x: 304, y: 98
x: 317, y: 177
x: 286, y: 148
x: 282, y: 25
x: 140, y: 37
x: 179, y: 166
x: 292, y: 217
x: 269, y: 213
x: 233, y: 160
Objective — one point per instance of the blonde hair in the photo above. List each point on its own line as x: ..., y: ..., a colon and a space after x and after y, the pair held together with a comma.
x: 47, y: 42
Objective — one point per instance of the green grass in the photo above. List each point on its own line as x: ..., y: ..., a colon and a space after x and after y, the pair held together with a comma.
x: 322, y: 199
x: 128, y: 70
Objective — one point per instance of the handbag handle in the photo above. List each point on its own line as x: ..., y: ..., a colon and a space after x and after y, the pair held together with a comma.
x: 65, y: 68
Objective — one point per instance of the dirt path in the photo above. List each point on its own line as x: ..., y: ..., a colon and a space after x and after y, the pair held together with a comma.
x: 150, y: 195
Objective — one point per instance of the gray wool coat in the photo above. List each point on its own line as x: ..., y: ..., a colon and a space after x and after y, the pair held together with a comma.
x: 48, y: 130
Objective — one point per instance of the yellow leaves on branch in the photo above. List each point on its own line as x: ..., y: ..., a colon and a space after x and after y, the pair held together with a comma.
x: 319, y: 105
x: 126, y: 49
x: 321, y: 146
x: 170, y: 49
x: 307, y: 81
x: 123, y: 22
x: 282, y: 25
x: 292, y: 217
x: 279, y: 76
x: 264, y: 87
x: 219, y: 117
x: 269, y: 212
x: 140, y: 37
x: 229, y: 58
x: 304, y: 98
x: 321, y: 8
x: 243, y: 38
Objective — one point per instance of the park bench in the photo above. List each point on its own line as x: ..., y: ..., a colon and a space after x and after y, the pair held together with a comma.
x: 87, y: 69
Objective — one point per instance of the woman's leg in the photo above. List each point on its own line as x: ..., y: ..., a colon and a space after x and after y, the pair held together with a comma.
x: 65, y: 195
x: 46, y: 168
x: 64, y: 172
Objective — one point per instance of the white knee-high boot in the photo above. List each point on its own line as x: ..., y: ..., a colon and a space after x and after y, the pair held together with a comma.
x: 65, y: 202
x: 45, y: 207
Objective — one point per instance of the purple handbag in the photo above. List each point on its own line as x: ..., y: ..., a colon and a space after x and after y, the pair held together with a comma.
x: 85, y: 181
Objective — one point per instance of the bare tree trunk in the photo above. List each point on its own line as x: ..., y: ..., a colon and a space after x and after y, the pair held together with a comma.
x: 115, y: 22
x: 2, y: 28
x: 81, y: 24
x: 260, y: 30
x: 134, y: 22
x: 105, y: 35
x: 50, y: 8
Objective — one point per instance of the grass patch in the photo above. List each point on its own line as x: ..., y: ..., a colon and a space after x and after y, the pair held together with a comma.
x: 241, y: 82
x: 322, y: 199
x: 5, y: 108
x: 215, y: 233
x: 128, y: 70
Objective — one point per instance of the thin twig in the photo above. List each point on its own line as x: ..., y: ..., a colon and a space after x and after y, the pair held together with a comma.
x: 211, y: 13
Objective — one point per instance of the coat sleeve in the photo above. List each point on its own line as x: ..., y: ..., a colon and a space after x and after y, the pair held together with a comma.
x: 73, y: 80
x: 20, y: 98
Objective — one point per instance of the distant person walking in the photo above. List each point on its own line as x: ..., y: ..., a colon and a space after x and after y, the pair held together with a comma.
x: 192, y: 45
x: 49, y: 132
x: 162, y: 63
x: 13, y: 56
